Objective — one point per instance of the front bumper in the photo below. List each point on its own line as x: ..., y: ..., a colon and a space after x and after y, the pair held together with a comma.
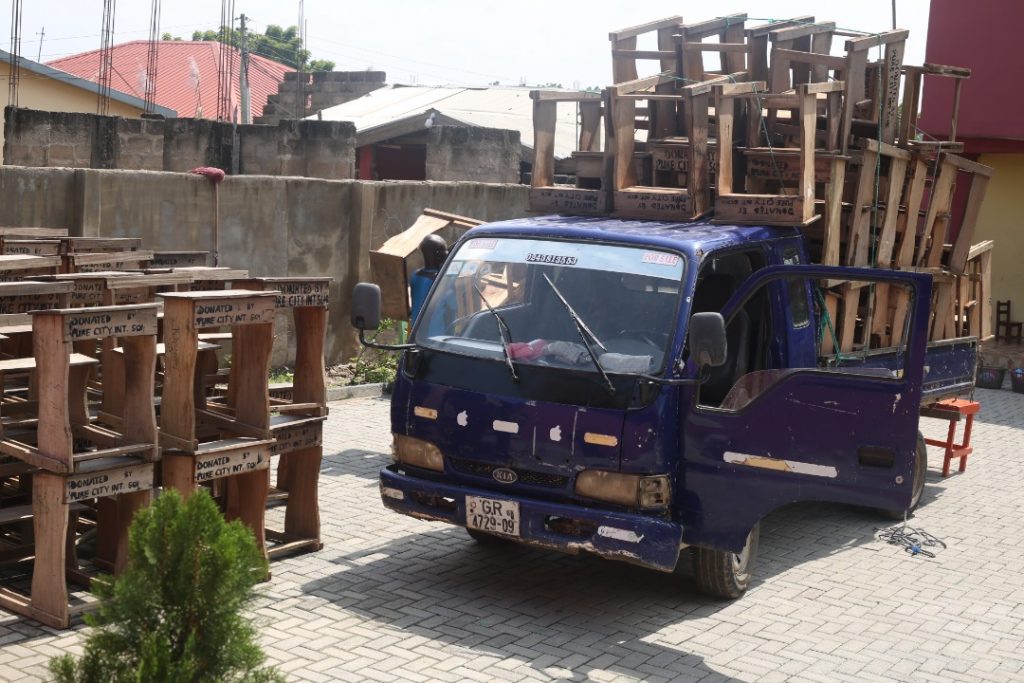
x: 637, y: 539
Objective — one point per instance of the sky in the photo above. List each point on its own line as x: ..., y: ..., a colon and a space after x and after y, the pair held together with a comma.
x: 460, y: 42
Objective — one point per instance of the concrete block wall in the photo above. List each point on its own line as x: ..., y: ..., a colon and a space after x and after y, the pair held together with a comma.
x: 37, y: 138
x: 488, y: 155
x: 322, y: 149
x: 321, y: 89
x: 269, y: 225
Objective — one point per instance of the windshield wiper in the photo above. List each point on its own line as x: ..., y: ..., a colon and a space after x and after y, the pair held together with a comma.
x: 503, y: 332
x: 584, y: 332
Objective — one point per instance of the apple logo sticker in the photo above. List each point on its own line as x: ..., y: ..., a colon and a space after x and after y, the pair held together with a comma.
x: 462, y: 419
x: 556, y: 433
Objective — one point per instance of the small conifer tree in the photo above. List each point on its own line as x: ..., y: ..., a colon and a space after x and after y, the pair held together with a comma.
x: 174, y: 614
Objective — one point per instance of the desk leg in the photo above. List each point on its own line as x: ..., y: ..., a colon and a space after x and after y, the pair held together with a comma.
x: 178, y: 472
x: 49, y: 585
x: 302, y: 514
x: 247, y: 501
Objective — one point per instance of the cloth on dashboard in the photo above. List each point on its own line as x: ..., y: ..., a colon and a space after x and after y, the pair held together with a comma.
x: 621, y: 362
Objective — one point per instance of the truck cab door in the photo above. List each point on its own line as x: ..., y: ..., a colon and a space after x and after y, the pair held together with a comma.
x: 843, y: 430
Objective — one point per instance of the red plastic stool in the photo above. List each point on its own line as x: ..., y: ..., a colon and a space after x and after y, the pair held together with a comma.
x: 953, y: 410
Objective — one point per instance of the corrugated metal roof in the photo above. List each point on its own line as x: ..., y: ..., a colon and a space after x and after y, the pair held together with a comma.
x: 186, y: 74
x: 73, y: 80
x: 509, y: 108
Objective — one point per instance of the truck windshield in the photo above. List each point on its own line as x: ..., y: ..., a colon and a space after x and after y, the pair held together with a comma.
x: 624, y: 301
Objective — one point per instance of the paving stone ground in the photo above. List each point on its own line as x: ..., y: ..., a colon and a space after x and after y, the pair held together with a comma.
x: 390, y: 598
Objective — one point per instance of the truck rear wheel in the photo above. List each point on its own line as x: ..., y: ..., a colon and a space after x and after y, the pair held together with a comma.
x: 920, y: 471
x: 723, y: 574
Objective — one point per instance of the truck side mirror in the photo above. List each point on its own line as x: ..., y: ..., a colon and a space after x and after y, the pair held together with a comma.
x: 708, y: 343
x: 366, y: 306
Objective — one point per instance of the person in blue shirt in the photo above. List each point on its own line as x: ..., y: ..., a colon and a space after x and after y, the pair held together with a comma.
x: 434, y: 250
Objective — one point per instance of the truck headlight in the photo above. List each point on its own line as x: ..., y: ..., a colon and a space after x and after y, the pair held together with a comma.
x: 418, y: 453
x: 631, y: 490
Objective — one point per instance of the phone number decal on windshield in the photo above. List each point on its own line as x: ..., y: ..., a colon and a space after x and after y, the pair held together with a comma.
x: 551, y: 258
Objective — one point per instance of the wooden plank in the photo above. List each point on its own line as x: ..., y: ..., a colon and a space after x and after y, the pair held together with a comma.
x: 865, y: 43
x: 833, y: 212
x: 99, y: 244
x: 639, y: 29
x: 568, y: 200
x: 933, y: 69
x: 298, y: 437
x: 751, y: 208
x: 704, y: 29
x: 293, y: 292
x: 106, y: 321
x: 813, y: 58
x: 961, y: 247
x: 889, y: 105
x: 50, y: 525
x: 763, y: 164
x: 565, y: 95
x: 858, y: 243
x: 623, y: 113
x: 121, y: 260
x: 887, y: 235
x: 220, y: 312
x: 590, y: 126
x: 906, y: 224
x: 800, y: 30
x: 19, y: 263
x: 241, y: 460
x: 929, y: 252
x: 911, y: 101
x: 653, y: 202
x: 985, y: 267
x: 31, y: 247
x: 545, y: 117
x: 109, y: 482
x: 178, y: 259
x: 28, y: 233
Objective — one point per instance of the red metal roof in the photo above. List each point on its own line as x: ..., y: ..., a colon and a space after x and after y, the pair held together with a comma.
x: 186, y: 74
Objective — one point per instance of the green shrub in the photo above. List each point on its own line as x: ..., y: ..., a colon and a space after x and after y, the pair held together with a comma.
x: 175, y: 613
x: 375, y: 365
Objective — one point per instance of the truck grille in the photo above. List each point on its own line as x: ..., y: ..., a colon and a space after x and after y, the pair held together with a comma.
x: 482, y: 469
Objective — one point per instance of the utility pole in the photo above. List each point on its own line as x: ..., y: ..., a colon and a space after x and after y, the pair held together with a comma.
x: 243, y: 75
x: 41, y: 34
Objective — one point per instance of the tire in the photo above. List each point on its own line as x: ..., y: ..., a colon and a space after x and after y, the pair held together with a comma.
x: 920, y: 470
x: 722, y: 574
x: 484, y: 538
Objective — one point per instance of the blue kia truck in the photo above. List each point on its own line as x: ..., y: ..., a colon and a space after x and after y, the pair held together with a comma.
x: 633, y: 388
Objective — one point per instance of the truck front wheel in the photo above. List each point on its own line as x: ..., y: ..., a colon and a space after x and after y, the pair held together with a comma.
x: 920, y: 472
x: 723, y: 574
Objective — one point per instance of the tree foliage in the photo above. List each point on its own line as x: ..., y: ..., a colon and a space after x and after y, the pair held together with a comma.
x: 280, y: 44
x: 175, y: 613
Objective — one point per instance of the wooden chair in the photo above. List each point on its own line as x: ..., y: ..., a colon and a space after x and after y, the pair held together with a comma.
x: 1010, y: 330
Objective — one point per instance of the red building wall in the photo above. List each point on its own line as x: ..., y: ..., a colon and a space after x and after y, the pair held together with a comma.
x: 985, y: 36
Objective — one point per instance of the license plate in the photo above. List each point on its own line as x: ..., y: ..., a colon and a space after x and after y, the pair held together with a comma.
x: 493, y: 516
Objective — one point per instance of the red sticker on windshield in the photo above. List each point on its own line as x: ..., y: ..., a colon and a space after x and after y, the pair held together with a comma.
x: 660, y: 259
